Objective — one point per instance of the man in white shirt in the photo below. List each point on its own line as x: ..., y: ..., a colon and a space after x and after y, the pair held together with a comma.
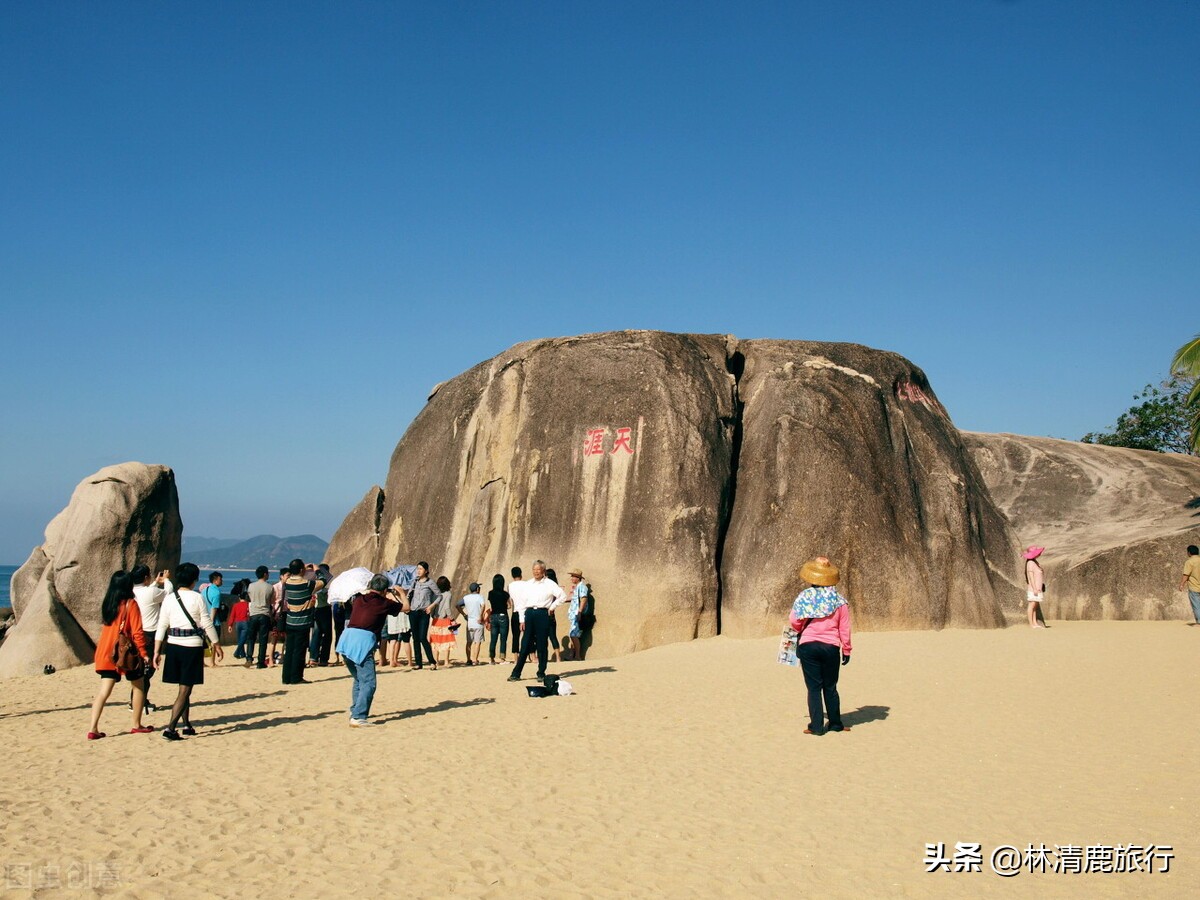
x: 149, y: 593
x: 472, y: 607
x: 534, y: 599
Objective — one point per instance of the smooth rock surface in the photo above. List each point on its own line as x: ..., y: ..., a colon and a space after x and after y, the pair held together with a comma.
x: 1115, y: 522
x: 123, y: 515
x: 847, y: 452
x: 608, y: 452
x: 357, y: 538
x: 617, y: 453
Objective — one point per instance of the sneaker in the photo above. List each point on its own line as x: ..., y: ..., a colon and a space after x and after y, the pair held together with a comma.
x: 188, y: 730
x: 360, y: 723
x: 170, y: 734
x: 514, y: 678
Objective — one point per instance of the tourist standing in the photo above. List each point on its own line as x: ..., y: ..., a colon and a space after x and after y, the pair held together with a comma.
x: 1035, y: 586
x: 212, y: 596
x: 821, y: 618
x: 444, y: 613
x: 183, y: 624
x: 515, y: 622
x: 472, y: 607
x: 580, y: 591
x: 239, y: 618
x: 399, y: 630
x: 1191, y: 581
x: 368, y: 613
x: 555, y: 654
x: 260, y: 593
x: 278, y: 618
x: 298, y: 618
x: 421, y: 598
x: 533, y: 601
x: 322, y: 640
x: 120, y: 615
x: 149, y: 595
x: 496, y: 618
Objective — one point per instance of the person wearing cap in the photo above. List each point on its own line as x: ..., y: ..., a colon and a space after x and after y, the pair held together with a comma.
x: 576, y: 611
x: 472, y: 607
x: 1035, y: 586
x: 821, y: 618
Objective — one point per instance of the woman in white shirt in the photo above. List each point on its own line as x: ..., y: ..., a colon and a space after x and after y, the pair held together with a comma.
x: 183, y: 623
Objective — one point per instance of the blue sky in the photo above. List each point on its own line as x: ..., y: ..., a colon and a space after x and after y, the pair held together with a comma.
x: 244, y: 239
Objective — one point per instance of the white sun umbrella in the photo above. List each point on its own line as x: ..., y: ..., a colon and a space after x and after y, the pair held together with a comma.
x: 349, y: 583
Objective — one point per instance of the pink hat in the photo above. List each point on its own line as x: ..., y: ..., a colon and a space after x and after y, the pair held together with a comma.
x: 1034, y: 552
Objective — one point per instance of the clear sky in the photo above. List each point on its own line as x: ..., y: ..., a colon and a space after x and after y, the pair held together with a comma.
x: 244, y: 239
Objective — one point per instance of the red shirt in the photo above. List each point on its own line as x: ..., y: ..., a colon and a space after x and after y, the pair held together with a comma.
x: 240, y: 613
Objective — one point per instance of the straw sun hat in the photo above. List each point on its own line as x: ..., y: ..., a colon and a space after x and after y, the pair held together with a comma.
x: 820, y: 571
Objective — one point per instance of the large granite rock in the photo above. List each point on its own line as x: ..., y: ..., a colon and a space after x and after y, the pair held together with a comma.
x: 609, y: 452
x: 689, y: 500
x: 1115, y: 523
x: 847, y: 452
x: 357, y: 538
x: 123, y: 515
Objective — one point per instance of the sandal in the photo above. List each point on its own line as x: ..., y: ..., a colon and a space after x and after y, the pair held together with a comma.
x: 96, y: 735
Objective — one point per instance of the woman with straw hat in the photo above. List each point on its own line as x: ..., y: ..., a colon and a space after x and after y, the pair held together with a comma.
x: 1035, y: 586
x: 821, y: 618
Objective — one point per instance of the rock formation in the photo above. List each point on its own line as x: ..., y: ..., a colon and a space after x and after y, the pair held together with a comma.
x: 689, y: 476
x: 1115, y: 523
x: 846, y: 450
x: 123, y: 515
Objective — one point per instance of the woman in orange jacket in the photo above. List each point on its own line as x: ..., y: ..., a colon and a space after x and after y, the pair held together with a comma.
x: 121, y: 615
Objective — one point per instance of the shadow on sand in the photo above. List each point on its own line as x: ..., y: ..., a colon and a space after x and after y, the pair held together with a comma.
x: 444, y: 706
x: 865, y: 714
x: 592, y: 671
x: 228, y: 724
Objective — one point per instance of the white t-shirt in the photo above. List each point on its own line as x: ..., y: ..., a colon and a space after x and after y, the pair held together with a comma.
x: 149, y: 599
x: 472, y: 605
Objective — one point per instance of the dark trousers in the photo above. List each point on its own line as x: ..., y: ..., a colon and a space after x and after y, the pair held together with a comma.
x: 499, y: 634
x: 553, y: 632
x: 295, y: 643
x: 515, y: 624
x: 418, y: 620
x: 323, y: 635
x: 821, y: 664
x: 537, y: 635
x: 260, y: 631
x: 339, y: 620
x: 148, y: 637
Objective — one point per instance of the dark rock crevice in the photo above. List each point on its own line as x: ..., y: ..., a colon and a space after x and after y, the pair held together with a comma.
x: 735, y: 364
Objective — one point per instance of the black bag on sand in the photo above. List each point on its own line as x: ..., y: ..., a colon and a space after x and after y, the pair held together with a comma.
x: 536, y: 690
x: 550, y: 682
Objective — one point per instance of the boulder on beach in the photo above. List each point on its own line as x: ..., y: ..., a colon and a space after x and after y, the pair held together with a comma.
x: 357, y: 538
x: 690, y: 476
x: 1115, y: 522
x: 846, y: 451
x: 123, y: 515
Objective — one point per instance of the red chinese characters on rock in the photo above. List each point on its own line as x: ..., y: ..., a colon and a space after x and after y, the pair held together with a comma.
x: 593, y: 442
x: 906, y: 390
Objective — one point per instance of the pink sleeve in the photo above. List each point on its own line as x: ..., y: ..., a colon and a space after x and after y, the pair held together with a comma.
x: 796, y: 623
x: 843, y: 627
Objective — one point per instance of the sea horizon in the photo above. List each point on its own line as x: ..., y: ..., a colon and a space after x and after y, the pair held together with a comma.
x: 231, y: 576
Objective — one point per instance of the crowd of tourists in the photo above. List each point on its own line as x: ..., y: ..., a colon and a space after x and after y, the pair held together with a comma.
x: 165, y: 623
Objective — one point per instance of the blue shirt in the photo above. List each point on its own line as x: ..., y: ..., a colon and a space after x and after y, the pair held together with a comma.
x: 212, y: 596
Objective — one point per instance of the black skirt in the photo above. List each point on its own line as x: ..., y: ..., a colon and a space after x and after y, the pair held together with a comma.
x: 183, y: 665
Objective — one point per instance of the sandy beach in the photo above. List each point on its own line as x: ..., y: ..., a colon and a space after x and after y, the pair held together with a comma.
x: 679, y: 771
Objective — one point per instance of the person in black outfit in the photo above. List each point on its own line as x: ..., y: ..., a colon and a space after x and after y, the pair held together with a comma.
x: 497, y: 618
x: 515, y: 621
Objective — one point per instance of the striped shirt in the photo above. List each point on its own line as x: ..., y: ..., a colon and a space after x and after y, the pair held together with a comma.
x: 296, y: 594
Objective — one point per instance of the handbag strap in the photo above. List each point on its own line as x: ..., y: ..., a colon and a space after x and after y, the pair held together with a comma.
x: 203, y: 636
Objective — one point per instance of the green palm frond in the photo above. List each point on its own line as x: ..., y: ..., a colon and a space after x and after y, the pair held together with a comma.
x: 1187, y: 358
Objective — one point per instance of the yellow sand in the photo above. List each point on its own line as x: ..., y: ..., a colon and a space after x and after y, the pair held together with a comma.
x: 674, y: 772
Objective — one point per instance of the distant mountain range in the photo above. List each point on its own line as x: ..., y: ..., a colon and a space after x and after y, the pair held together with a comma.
x: 262, y: 550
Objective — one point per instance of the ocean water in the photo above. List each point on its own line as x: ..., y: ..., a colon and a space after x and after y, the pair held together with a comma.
x: 6, y: 573
x: 231, y: 577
